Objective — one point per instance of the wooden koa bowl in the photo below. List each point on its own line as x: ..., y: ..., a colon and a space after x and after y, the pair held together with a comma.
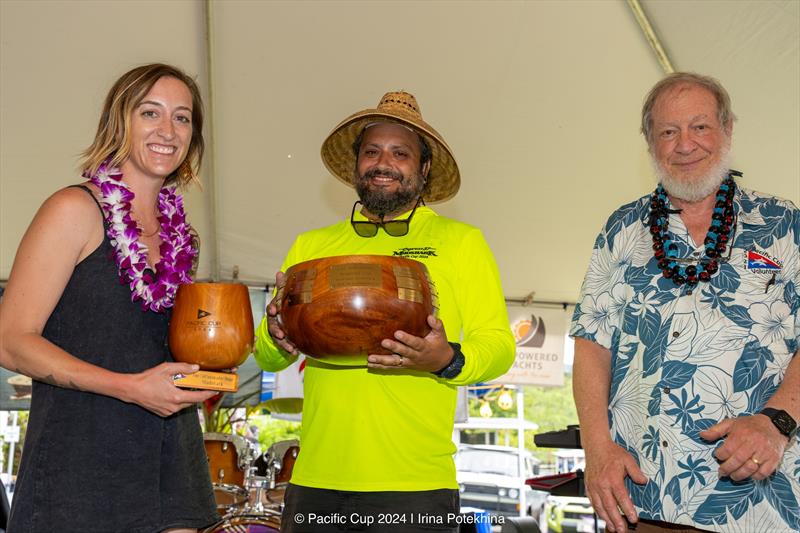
x: 339, y: 309
x: 211, y: 325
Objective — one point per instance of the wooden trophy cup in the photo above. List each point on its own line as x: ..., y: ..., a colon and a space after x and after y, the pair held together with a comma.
x: 339, y: 309
x: 211, y: 326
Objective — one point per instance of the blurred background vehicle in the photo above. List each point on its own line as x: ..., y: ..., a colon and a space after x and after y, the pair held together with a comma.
x: 489, y: 478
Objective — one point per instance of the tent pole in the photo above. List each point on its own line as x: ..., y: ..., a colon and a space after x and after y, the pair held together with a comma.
x: 650, y: 36
x: 213, y: 181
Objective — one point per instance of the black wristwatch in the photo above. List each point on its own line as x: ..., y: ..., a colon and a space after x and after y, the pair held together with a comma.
x: 782, y: 420
x: 455, y: 365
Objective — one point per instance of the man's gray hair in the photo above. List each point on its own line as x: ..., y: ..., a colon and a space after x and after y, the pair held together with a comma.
x: 724, y: 112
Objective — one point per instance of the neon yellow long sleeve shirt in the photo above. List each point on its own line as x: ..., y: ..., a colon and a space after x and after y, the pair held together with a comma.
x: 372, y: 430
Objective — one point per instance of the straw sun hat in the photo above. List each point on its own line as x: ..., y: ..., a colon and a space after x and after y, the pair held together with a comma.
x: 401, y: 108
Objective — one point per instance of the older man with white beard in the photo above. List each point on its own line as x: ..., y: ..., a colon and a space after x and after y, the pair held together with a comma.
x: 686, y: 375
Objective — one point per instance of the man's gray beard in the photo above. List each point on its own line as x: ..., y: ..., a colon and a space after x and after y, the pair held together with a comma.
x: 377, y: 202
x: 697, y: 189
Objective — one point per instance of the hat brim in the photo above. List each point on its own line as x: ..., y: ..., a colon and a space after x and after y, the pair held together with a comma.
x: 444, y: 178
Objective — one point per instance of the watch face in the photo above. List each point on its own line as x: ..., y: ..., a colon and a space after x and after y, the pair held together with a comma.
x: 783, y: 422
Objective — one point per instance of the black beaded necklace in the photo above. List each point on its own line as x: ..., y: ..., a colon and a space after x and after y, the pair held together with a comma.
x: 716, y: 241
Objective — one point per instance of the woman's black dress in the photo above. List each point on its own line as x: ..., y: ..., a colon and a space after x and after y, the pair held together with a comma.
x: 91, y: 463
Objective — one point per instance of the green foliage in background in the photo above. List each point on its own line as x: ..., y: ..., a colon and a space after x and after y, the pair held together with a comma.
x: 552, y: 408
x: 272, y: 430
x: 22, y: 422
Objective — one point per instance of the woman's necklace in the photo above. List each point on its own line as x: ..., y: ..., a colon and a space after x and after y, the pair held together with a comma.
x: 716, y: 241
x: 156, y: 291
x: 141, y: 226
x: 148, y: 235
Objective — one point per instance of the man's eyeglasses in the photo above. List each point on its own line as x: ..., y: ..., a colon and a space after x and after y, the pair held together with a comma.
x: 394, y: 228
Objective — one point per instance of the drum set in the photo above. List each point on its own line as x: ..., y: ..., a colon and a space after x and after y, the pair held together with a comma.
x: 248, y: 487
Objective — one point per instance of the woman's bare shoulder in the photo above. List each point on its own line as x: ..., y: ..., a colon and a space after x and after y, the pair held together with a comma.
x: 72, y: 202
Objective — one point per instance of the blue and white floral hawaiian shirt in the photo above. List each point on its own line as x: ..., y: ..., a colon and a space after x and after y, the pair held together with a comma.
x: 682, y: 359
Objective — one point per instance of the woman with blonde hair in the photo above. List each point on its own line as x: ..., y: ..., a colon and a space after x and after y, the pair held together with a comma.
x: 112, y: 444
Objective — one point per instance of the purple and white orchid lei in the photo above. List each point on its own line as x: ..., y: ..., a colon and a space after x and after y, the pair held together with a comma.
x: 177, y: 252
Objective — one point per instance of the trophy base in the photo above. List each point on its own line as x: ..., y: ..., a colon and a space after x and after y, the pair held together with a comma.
x: 203, y: 379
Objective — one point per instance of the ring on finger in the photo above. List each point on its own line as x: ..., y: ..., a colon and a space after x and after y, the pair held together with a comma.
x: 756, y: 461
x: 400, y: 360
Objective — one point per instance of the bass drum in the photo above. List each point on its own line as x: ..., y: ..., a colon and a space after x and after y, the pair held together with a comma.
x: 267, y: 522
x: 229, y: 457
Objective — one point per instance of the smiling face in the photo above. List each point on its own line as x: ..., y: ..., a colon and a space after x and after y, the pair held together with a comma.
x: 388, y: 177
x: 160, y: 130
x: 689, y: 145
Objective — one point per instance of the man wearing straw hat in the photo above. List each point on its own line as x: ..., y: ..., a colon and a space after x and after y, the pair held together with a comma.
x: 376, y: 441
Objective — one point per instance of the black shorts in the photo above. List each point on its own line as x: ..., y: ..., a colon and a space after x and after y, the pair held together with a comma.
x: 310, y: 510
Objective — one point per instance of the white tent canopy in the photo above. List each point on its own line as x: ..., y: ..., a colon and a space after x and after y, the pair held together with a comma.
x: 539, y: 100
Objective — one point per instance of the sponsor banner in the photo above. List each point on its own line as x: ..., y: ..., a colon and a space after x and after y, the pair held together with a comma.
x: 540, y: 333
